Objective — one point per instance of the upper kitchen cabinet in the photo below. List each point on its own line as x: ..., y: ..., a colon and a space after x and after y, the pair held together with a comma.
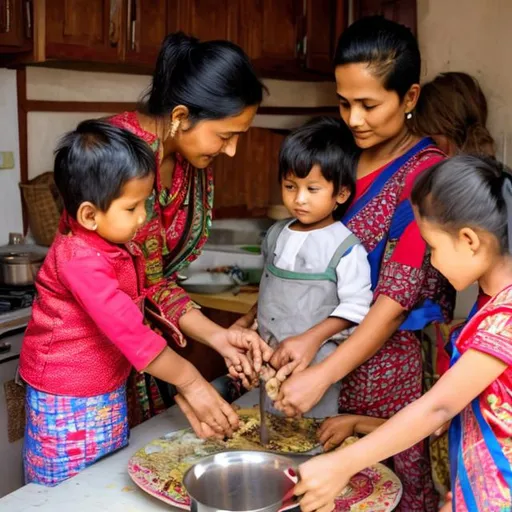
x: 147, y: 26
x: 324, y: 21
x: 401, y: 11
x: 15, y: 26
x: 205, y: 19
x: 271, y: 34
x: 88, y: 30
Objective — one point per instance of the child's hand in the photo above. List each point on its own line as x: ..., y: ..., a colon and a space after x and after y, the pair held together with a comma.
x: 334, y: 431
x: 322, y: 479
x: 295, y: 352
x: 208, y: 407
x: 201, y: 429
x: 302, y: 391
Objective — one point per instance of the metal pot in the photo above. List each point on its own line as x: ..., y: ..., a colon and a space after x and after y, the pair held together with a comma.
x: 237, y: 481
x: 20, y: 269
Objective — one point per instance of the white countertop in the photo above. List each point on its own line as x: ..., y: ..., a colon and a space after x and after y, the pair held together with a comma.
x: 105, y: 486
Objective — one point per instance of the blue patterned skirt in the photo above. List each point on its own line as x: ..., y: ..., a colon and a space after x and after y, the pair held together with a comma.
x: 65, y: 434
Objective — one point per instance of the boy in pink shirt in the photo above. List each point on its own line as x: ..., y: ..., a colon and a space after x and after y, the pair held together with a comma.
x: 87, y: 326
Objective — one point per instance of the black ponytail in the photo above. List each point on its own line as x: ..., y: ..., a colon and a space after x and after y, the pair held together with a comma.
x: 467, y: 191
x: 213, y: 79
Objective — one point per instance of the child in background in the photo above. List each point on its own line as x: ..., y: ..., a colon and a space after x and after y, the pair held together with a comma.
x: 316, y: 284
x: 463, y: 207
x: 87, y: 328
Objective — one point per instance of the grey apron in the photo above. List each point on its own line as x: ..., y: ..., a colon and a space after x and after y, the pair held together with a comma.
x: 291, y: 302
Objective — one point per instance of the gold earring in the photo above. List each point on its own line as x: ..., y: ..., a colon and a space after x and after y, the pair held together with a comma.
x: 174, y: 128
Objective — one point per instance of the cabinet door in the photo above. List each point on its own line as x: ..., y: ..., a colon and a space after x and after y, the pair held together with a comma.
x: 15, y: 25
x: 205, y: 19
x: 269, y: 32
x: 401, y: 11
x: 147, y: 28
x: 84, y: 29
x: 325, y: 20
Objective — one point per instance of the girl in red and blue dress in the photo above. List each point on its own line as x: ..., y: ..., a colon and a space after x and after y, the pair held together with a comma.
x: 463, y: 208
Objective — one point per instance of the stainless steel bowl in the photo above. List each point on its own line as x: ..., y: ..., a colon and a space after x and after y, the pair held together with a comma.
x: 240, y: 481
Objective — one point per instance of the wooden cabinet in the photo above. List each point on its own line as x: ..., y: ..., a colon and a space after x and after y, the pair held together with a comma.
x: 207, y: 19
x: 291, y: 39
x: 401, y: 11
x: 15, y: 26
x: 270, y: 33
x: 325, y: 20
x: 147, y: 26
x: 88, y: 30
x: 248, y: 181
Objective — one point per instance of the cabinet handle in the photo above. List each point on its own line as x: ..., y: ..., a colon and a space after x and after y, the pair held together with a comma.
x: 28, y: 19
x: 113, y: 34
x: 6, y: 28
x: 132, y: 24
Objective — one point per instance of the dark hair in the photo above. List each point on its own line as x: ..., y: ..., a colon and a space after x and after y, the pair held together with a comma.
x: 454, y: 105
x: 213, y: 79
x: 328, y: 143
x: 94, y: 162
x: 390, y: 50
x: 466, y: 191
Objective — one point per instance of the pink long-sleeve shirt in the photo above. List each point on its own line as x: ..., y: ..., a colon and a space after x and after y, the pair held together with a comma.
x: 87, y: 328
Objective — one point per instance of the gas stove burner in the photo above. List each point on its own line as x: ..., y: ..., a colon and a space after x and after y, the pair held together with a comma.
x: 14, y: 298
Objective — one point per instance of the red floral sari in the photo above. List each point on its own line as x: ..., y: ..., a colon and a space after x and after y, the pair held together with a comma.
x: 177, y: 227
x: 381, y: 217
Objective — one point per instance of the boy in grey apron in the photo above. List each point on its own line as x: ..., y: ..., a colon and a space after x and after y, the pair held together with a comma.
x: 315, y: 268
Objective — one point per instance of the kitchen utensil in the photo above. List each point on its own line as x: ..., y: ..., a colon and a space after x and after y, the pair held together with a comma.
x: 264, y: 430
x: 19, y: 269
x: 240, y: 481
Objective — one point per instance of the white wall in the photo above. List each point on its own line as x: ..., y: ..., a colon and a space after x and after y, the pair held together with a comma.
x: 473, y: 36
x: 10, y: 199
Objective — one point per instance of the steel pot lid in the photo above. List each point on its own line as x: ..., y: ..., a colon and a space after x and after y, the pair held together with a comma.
x: 21, y: 258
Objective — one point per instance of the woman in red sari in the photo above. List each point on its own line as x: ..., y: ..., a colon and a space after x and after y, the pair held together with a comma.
x: 203, y: 96
x: 377, y: 76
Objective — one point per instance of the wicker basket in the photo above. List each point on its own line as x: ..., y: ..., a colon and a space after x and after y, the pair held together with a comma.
x: 44, y: 207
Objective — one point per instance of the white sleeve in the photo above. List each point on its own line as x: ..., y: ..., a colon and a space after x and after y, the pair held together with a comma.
x: 354, y: 285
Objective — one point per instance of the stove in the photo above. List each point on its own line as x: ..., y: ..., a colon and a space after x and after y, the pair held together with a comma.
x: 15, y: 306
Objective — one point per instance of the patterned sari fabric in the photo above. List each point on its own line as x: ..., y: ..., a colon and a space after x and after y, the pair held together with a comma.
x: 64, y: 435
x: 382, y: 218
x: 481, y: 435
x: 177, y: 227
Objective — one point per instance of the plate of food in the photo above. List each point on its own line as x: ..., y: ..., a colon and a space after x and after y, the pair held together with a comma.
x: 159, y: 467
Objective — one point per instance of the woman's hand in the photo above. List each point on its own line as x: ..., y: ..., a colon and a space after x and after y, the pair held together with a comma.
x: 447, y: 507
x: 244, y: 352
x: 296, y: 352
x: 207, y: 412
x: 440, y: 431
x: 322, y: 479
x: 302, y: 391
x: 334, y: 431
